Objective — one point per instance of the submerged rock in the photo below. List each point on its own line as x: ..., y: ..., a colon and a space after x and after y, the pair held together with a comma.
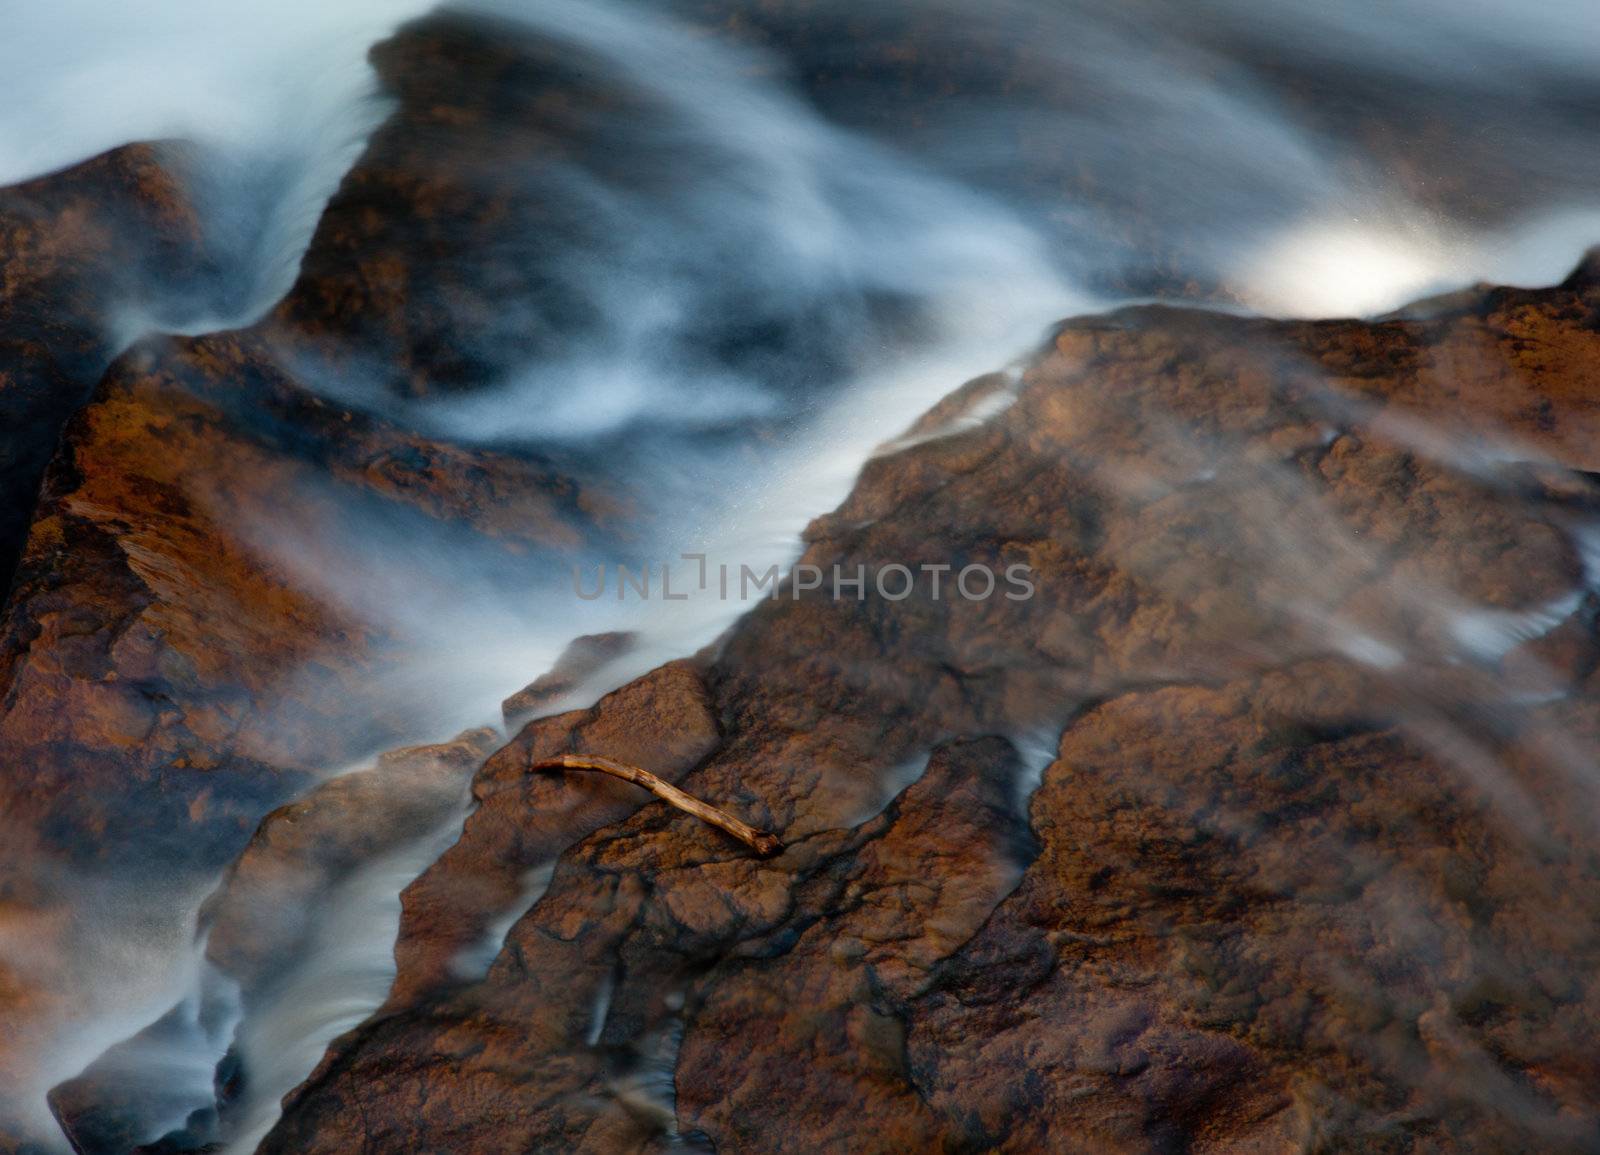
x: 255, y: 922
x: 585, y: 656
x: 261, y: 923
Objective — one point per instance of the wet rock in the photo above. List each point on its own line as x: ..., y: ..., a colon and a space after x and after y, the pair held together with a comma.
x: 583, y: 656
x: 166, y: 681
x: 1306, y: 865
x: 1263, y: 902
x: 455, y: 914
x: 818, y: 1018
x: 597, y: 1022
x: 76, y: 248
x: 130, y: 1093
x: 257, y: 919
x: 156, y: 641
x: 257, y: 925
x: 1298, y: 568
x: 165, y: 678
x: 182, y: 682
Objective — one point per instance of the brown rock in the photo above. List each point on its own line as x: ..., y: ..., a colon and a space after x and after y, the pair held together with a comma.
x: 898, y: 914
x: 75, y: 247
x: 259, y: 923
x: 583, y: 656
x: 1269, y: 909
x: 165, y: 684
x: 1248, y: 871
x: 1307, y: 871
x: 166, y: 679
x: 256, y: 919
x: 149, y: 640
x: 662, y: 722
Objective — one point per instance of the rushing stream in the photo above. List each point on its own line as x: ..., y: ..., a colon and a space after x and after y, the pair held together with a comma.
x: 762, y: 249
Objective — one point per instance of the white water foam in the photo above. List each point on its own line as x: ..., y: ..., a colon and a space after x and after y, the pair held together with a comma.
x: 814, y: 208
x: 268, y: 103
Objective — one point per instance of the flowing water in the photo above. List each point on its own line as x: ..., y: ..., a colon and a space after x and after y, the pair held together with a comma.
x: 798, y: 238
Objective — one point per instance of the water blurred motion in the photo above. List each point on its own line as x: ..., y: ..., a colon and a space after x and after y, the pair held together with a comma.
x: 757, y: 244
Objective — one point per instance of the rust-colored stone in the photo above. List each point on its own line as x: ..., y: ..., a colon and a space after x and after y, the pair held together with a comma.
x: 76, y: 249
x: 1305, y: 867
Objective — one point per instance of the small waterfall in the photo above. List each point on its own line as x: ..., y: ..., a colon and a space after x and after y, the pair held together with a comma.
x: 789, y: 268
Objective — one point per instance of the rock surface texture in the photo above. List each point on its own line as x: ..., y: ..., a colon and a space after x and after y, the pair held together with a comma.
x: 78, y: 247
x: 1224, y: 782
x: 165, y: 678
x: 1264, y: 824
x: 260, y: 924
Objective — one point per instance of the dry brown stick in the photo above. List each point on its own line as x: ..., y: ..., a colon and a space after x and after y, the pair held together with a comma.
x: 762, y: 842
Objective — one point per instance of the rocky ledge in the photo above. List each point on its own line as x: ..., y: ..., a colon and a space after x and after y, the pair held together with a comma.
x: 1263, y: 824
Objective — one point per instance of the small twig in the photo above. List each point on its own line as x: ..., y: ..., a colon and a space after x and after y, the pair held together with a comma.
x: 762, y: 842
